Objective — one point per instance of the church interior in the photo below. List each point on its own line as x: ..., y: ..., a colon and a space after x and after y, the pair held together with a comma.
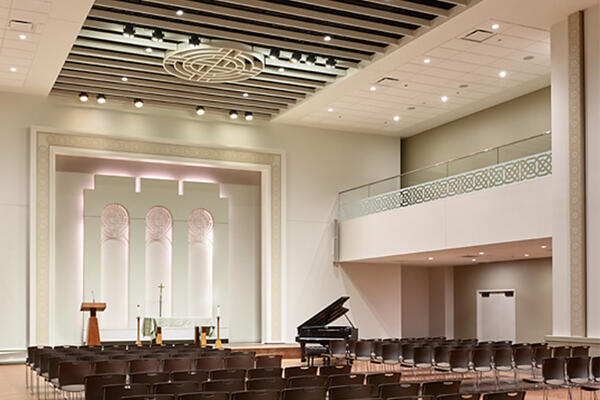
x: 299, y: 199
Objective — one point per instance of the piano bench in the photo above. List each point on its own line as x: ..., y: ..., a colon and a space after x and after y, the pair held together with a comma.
x: 315, y: 351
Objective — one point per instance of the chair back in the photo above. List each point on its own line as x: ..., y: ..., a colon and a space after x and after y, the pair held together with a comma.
x: 390, y: 353
x: 504, y: 396
x: 208, y: 363
x: 578, y: 368
x: 307, y: 381
x: 423, y: 356
x: 363, y: 350
x: 94, y: 383
x: 459, y: 396
x: 437, y: 388
x: 111, y: 367
x: 204, y: 396
x: 595, y: 368
x: 338, y: 348
x: 73, y: 372
x: 389, y: 390
x: 541, y: 353
x: 268, y: 361
x: 441, y: 355
x: 115, y: 392
x: 176, y: 387
x: 178, y: 364
x: 553, y: 369
x: 561, y: 352
x: 299, y: 371
x: 264, y: 373
x: 523, y: 356
x: 458, y: 359
x: 227, y: 385
x: 580, y: 351
x: 266, y: 384
x: 408, y: 351
x: 149, y: 377
x: 256, y: 395
x: 384, y: 377
x: 334, y: 370
x: 144, y: 365
x: 503, y: 357
x: 227, y: 373
x: 187, y: 376
x: 349, y: 392
x: 482, y: 357
x: 304, y: 393
x: 345, y: 379
x: 240, y: 362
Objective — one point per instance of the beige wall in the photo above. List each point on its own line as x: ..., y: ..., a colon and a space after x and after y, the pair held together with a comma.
x: 532, y: 280
x: 517, y: 119
x: 415, y: 301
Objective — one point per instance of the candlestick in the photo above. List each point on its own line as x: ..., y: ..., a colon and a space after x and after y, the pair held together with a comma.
x: 218, y: 343
x: 139, y: 341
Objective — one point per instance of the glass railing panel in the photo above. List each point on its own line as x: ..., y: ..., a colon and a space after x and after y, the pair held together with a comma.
x: 424, y: 175
x: 534, y: 145
x: 388, y: 185
x: 472, y: 162
x: 354, y: 195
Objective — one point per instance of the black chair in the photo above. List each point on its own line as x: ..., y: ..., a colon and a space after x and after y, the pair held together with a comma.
x: 264, y: 373
x: 348, y: 392
x: 208, y: 363
x: 580, y: 351
x: 578, y: 372
x: 561, y: 352
x: 266, y: 384
x: 441, y: 356
x: 256, y: 395
x: 389, y: 390
x: 71, y: 375
x: 539, y: 355
x: 504, y: 396
x: 334, y: 370
x: 239, y: 362
x: 423, y: 357
x: 115, y: 392
x: 299, y: 371
x: 438, y: 388
x: 111, y: 367
x: 268, y: 361
x: 149, y: 377
x: 482, y: 362
x: 176, y: 387
x: 204, y: 396
x: 229, y: 386
x: 381, y: 378
x: 459, y: 396
x: 227, y: 373
x: 390, y: 355
x: 338, y: 350
x: 523, y: 359
x: 178, y: 364
x: 503, y: 362
x: 94, y: 384
x: 144, y: 365
x: 195, y: 376
x: 307, y: 381
x: 150, y: 397
x: 304, y: 393
x: 345, y: 379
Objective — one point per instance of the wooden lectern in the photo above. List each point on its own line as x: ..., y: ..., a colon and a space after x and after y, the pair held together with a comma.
x: 93, y: 338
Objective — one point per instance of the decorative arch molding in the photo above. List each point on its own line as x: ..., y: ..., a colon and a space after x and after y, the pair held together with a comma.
x: 159, y: 259
x: 200, y: 263
x: 46, y: 145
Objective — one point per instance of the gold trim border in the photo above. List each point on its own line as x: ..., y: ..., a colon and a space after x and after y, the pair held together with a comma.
x: 45, y: 141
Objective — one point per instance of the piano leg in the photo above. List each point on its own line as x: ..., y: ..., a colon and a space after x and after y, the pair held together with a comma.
x: 302, y: 351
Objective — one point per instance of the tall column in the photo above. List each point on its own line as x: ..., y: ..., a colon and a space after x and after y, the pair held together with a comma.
x: 568, y: 144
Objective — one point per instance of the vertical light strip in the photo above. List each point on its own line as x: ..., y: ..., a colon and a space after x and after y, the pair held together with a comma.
x: 577, y: 215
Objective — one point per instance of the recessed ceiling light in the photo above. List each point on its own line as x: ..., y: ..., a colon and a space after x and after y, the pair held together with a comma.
x: 481, y: 253
x: 544, y: 246
x: 296, y: 57
x: 83, y: 97
x: 233, y: 114
x: 124, y: 79
x: 248, y: 116
x: 330, y: 109
x: 327, y: 38
x: 473, y: 259
x: 200, y: 110
x: 495, y: 26
x: 311, y: 59
x: 194, y: 40
x: 138, y: 103
x: 330, y: 62
x: 179, y: 13
x: 526, y: 255
x: 373, y: 88
x: 281, y: 69
x: 13, y: 69
x: 101, y: 99
x: 396, y: 118
x: 148, y: 49
x: 430, y: 258
x: 444, y: 99
x: 463, y: 86
x: 427, y: 60
x: 23, y: 36
x: 245, y: 94
x: 411, y: 108
x: 528, y: 58
x: 157, y: 35
x: 129, y: 31
x: 502, y: 74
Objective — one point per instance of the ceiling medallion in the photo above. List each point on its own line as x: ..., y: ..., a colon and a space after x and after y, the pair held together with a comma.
x: 217, y: 61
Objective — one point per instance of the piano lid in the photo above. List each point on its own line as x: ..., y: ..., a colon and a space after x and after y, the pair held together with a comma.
x: 328, y: 314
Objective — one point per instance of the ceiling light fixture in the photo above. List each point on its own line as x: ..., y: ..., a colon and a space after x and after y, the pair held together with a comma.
x: 83, y: 97
x: 124, y: 79
x: 274, y: 54
x: 23, y: 36
x: 495, y: 26
x: 330, y: 109
x: 296, y: 56
x: 138, y: 103
x: 233, y: 114
x: 245, y: 94
x: 179, y: 13
x: 481, y: 253
x: 194, y: 40
x: 311, y: 59
x: 373, y: 88
x: 430, y: 258
x: 148, y: 49
x: 281, y: 69
x: 427, y: 60
x: 444, y: 99
x: 200, y: 110
x: 101, y: 99
x: 129, y: 31
x: 330, y: 63
x: 396, y: 118
x: 473, y: 259
x: 526, y: 255
x: 158, y: 35
x: 544, y: 246
x: 327, y: 38
x: 502, y: 74
x: 248, y: 116
x: 13, y: 69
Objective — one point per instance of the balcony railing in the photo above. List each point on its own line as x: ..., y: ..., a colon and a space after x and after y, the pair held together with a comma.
x: 504, y: 165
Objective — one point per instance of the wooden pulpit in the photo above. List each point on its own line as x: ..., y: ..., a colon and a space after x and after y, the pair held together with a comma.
x: 93, y: 338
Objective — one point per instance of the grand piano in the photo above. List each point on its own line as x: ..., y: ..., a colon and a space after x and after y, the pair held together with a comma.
x: 316, y: 331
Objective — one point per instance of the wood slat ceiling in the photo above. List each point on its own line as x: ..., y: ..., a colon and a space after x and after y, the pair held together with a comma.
x: 359, y: 30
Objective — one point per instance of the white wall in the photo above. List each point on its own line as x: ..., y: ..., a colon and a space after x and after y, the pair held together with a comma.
x: 516, y: 212
x: 319, y: 163
x: 415, y: 301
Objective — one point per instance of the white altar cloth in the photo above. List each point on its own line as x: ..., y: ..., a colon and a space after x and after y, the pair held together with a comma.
x: 151, y: 323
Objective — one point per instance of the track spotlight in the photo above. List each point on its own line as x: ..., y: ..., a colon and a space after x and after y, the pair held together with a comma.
x: 274, y: 54
x: 101, y: 99
x: 83, y: 97
x: 158, y: 35
x: 138, y: 103
x: 248, y: 116
x: 233, y: 114
x: 129, y: 31
x: 194, y: 40
x: 200, y: 110
x: 311, y: 59
x: 330, y: 63
x: 296, y: 56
